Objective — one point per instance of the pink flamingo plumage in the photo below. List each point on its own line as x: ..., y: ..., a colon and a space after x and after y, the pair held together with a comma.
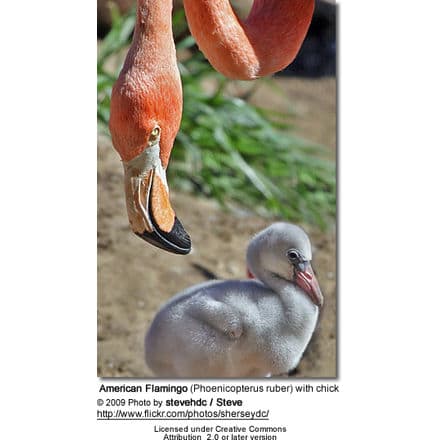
x: 146, y: 102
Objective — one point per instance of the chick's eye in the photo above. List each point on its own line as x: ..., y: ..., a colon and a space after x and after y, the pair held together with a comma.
x: 293, y: 255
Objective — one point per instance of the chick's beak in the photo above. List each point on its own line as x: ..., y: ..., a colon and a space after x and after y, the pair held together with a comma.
x: 305, y: 278
x: 149, y: 208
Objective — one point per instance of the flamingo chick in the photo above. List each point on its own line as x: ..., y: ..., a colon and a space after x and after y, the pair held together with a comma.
x: 245, y: 328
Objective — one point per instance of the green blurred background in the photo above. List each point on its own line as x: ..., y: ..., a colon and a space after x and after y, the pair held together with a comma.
x: 228, y: 149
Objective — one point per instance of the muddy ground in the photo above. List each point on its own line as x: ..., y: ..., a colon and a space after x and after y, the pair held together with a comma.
x: 134, y: 278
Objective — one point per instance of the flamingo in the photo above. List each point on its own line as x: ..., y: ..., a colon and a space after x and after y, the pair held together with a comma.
x: 265, y: 43
x: 248, y: 328
x: 146, y: 101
